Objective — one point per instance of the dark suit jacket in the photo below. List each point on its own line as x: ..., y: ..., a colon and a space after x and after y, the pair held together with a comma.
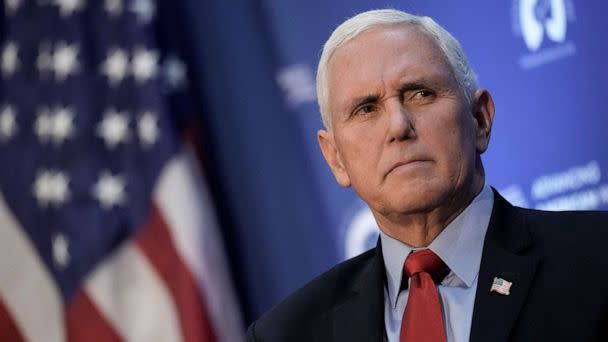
x: 558, y: 263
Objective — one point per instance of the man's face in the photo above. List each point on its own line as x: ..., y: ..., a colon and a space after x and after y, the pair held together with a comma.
x: 403, y: 134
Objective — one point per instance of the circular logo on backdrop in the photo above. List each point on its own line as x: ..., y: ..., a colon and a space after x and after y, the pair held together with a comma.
x: 538, y: 21
x: 360, y: 233
x: 540, y: 17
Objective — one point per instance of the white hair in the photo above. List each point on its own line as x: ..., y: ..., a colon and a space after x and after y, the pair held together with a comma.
x: 351, y: 28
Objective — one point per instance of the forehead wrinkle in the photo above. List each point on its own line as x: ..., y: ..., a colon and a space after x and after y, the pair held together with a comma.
x: 409, y: 44
x: 359, y: 89
x: 375, y: 92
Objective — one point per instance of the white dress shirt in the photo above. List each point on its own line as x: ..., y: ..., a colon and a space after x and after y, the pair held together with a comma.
x: 459, y: 245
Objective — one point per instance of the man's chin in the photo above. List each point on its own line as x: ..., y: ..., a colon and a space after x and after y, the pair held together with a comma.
x: 418, y: 200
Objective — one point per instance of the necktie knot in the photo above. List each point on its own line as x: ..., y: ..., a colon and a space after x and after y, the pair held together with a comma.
x: 425, y: 261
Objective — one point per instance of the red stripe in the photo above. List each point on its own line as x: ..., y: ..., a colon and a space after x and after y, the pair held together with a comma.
x: 156, y: 243
x: 8, y: 328
x: 85, y: 323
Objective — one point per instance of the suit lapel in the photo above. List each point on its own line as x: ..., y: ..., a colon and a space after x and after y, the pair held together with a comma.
x: 361, y: 316
x: 504, y: 257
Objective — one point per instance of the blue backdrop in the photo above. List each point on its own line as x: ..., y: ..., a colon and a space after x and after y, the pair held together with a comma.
x: 286, y: 220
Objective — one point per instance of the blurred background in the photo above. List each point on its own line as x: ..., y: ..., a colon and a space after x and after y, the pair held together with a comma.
x: 160, y: 178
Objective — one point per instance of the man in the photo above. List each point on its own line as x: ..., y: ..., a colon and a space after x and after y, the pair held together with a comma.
x: 405, y: 127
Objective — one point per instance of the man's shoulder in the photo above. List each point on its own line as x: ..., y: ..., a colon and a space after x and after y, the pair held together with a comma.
x: 583, y: 224
x: 570, y: 235
x: 578, y: 226
x: 309, y: 304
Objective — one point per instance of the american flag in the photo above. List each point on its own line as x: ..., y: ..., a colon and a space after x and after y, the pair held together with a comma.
x: 107, y: 231
x: 501, y: 286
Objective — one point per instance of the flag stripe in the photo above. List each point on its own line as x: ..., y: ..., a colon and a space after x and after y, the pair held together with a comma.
x: 85, y: 323
x: 184, y: 202
x: 127, y: 290
x: 24, y: 280
x: 156, y: 243
x: 8, y: 329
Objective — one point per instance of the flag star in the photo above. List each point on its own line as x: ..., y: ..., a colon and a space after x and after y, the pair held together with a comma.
x: 114, y: 128
x: 145, y: 64
x: 147, y: 128
x: 110, y: 190
x: 144, y: 10
x: 174, y: 71
x: 68, y: 7
x: 10, y: 59
x: 115, y: 66
x: 43, y: 188
x: 8, y: 123
x: 11, y: 6
x: 61, y: 253
x: 65, y: 61
x: 51, y: 187
x: 113, y: 7
x: 43, y: 126
x: 62, y: 124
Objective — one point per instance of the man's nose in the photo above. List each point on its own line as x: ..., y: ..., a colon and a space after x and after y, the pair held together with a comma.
x: 400, y: 124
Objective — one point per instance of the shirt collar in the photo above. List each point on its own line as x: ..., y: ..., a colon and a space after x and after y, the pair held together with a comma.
x: 459, y: 245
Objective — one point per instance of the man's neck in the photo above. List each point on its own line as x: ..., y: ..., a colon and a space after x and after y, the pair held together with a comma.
x: 420, y: 229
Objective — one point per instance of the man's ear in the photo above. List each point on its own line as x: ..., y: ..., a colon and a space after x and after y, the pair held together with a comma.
x: 332, y: 157
x: 483, y: 112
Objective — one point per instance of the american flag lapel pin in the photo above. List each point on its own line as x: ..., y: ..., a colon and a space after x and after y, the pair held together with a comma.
x: 501, y: 286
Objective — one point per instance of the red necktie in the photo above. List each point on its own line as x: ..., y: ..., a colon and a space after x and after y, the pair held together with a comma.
x: 422, y: 319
